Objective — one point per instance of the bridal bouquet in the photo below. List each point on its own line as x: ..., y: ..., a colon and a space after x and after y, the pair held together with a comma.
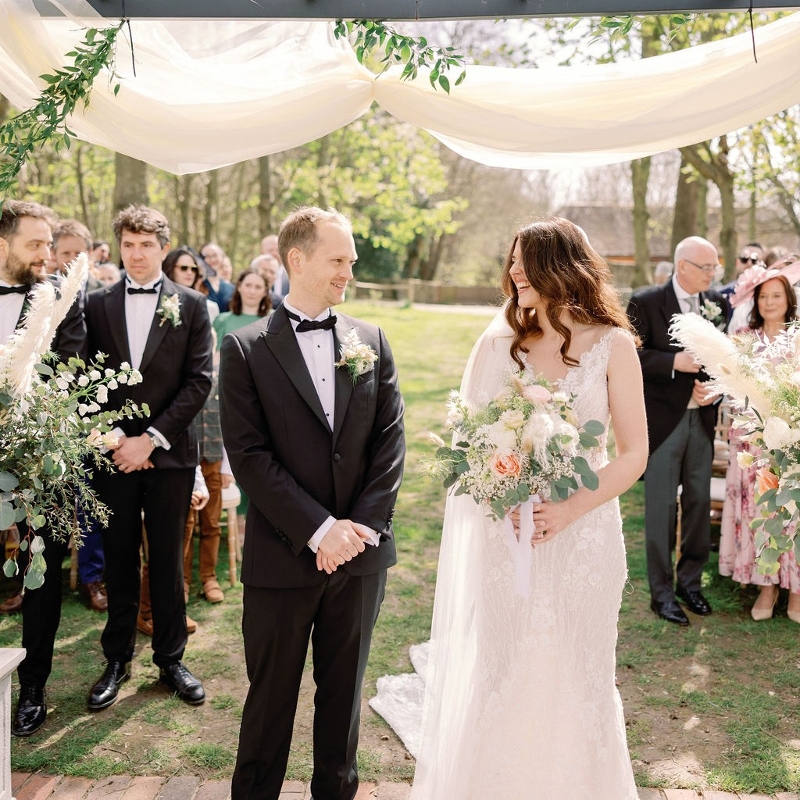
x: 764, y: 380
x: 525, y: 441
x: 52, y: 426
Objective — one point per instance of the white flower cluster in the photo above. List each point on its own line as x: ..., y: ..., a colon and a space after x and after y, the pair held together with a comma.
x: 356, y: 356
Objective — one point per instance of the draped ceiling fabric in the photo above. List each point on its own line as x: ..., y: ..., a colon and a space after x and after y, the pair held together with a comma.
x: 211, y: 93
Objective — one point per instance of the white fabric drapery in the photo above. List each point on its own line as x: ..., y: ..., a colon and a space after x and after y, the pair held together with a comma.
x: 208, y: 93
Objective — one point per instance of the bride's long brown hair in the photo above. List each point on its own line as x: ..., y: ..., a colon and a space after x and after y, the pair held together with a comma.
x: 569, y: 275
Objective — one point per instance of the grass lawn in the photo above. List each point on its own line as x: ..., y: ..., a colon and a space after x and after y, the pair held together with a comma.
x: 711, y: 706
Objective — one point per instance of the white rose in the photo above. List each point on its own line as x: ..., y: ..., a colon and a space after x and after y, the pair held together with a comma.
x: 777, y: 434
x: 95, y: 375
x: 102, y: 394
x: 513, y: 419
x: 502, y: 437
x: 125, y: 366
x: 745, y: 460
x: 83, y: 381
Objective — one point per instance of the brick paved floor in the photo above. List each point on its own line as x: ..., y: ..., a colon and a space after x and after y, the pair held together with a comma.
x: 27, y: 786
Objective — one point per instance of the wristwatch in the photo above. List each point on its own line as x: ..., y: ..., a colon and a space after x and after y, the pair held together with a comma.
x: 154, y: 440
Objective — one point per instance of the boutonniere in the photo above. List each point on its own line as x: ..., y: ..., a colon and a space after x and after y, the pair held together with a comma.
x: 170, y: 310
x: 713, y: 312
x: 356, y: 356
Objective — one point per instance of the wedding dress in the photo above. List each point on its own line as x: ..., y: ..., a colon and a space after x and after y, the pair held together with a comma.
x: 521, y: 702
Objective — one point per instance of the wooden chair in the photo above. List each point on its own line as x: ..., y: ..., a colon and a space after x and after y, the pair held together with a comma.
x: 231, y: 497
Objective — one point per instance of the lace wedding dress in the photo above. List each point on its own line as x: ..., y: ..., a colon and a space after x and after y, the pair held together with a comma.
x: 521, y: 702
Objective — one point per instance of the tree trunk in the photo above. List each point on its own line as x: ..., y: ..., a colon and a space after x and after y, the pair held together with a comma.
x: 237, y: 216
x: 414, y: 257
x: 684, y: 220
x: 265, y: 199
x: 701, y: 213
x: 437, y: 247
x: 130, y: 185
x: 87, y: 220
x: 183, y: 194
x: 210, y: 208
x: 713, y: 166
x: 640, y: 174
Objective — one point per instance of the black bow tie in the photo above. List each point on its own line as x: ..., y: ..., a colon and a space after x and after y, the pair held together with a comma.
x: 140, y: 290
x: 313, y: 325
x: 22, y: 289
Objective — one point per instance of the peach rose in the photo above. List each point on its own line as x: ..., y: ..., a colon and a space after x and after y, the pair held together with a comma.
x: 537, y: 393
x: 766, y: 480
x: 505, y: 464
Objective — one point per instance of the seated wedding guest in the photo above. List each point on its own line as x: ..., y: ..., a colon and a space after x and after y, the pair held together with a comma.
x: 70, y: 239
x: 662, y: 272
x: 269, y: 267
x: 250, y: 302
x: 217, y: 288
x: 774, y: 306
x: 269, y: 247
x: 751, y: 255
x: 184, y: 266
x: 107, y: 273
x: 775, y: 254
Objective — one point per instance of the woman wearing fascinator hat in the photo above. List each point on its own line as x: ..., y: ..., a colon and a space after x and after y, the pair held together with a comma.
x: 770, y: 295
x: 741, y: 299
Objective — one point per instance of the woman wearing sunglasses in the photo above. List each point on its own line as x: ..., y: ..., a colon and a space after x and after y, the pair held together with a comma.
x: 185, y: 266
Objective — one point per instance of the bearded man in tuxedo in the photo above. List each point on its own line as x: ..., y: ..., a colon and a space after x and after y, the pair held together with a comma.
x: 26, y: 237
x: 318, y: 446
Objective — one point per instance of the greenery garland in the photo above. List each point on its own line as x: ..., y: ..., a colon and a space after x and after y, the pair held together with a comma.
x: 66, y: 88
x: 414, y: 52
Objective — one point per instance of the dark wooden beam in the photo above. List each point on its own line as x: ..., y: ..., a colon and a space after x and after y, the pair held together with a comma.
x: 405, y: 9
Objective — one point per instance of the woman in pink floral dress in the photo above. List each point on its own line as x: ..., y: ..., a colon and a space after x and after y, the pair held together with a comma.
x: 774, y: 305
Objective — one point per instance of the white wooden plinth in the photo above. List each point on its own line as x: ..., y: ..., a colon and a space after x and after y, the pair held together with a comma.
x: 9, y: 658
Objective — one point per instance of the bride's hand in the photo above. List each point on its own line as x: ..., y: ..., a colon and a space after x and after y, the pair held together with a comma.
x: 549, y: 519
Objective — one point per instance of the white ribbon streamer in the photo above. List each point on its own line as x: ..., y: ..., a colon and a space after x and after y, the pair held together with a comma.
x: 521, y: 549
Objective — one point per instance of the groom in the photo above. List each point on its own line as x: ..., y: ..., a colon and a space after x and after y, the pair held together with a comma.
x: 319, y: 450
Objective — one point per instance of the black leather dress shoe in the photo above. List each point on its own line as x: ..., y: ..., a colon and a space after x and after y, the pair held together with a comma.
x: 105, y: 691
x: 670, y: 611
x: 694, y: 601
x: 31, y: 710
x: 182, y: 683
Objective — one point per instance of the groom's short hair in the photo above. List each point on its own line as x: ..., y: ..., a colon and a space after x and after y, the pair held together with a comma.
x: 299, y: 229
x: 14, y: 210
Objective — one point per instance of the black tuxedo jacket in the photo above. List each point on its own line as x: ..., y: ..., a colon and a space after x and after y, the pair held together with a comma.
x: 176, y: 367
x: 666, y: 392
x: 70, y: 336
x: 293, y: 467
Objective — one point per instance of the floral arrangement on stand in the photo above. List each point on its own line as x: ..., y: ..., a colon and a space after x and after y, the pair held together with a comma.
x: 52, y: 426
x: 764, y: 380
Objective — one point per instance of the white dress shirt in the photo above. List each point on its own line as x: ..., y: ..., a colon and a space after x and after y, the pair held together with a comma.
x: 686, y: 307
x: 10, y: 309
x: 318, y: 354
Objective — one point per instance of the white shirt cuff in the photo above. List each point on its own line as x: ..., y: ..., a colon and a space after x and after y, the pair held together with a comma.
x: 165, y: 445
x: 314, y: 541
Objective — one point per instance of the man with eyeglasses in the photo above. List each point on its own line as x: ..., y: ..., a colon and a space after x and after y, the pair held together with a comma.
x: 681, y: 415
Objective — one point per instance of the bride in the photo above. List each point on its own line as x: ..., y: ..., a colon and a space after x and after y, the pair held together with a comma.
x: 521, y: 702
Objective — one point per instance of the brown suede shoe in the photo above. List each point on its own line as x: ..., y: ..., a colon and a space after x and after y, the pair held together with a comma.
x: 144, y: 625
x: 13, y: 605
x: 95, y: 593
x: 212, y: 592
